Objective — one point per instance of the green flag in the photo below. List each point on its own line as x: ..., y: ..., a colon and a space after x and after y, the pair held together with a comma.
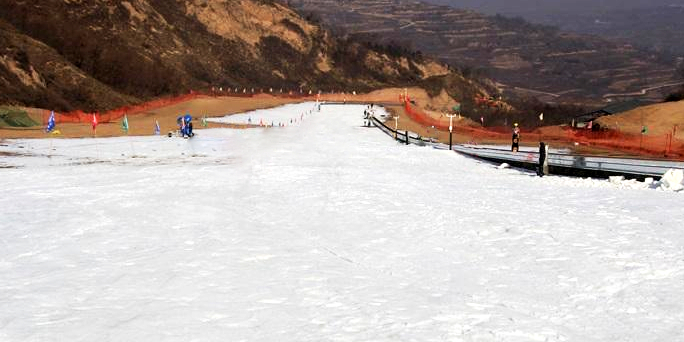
x: 457, y: 107
x: 124, y: 124
x: 644, y: 130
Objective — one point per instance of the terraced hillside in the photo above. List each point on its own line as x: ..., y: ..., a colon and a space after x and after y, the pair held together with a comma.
x: 526, y: 58
x: 658, y: 28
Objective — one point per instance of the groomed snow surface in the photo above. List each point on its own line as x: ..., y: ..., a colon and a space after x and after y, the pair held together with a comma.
x: 324, y: 231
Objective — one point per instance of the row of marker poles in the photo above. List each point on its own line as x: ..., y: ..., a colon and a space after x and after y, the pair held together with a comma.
x: 310, y: 92
x: 97, y: 147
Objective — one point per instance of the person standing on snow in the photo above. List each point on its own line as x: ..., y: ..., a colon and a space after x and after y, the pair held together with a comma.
x: 515, y: 145
x: 543, y: 166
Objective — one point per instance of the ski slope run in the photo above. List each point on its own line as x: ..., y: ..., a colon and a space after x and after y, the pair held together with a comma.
x: 324, y: 231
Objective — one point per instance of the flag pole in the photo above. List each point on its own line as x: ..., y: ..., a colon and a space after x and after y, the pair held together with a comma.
x: 97, y: 147
x: 641, y: 136
x: 128, y: 129
x: 451, y: 128
x: 539, y: 125
x: 50, y: 151
x: 50, y: 138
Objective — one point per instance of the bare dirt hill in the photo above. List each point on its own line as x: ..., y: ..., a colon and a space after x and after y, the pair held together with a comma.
x: 97, y: 55
x: 659, y: 119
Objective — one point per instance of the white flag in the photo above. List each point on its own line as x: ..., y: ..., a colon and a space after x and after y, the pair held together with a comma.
x: 541, y: 117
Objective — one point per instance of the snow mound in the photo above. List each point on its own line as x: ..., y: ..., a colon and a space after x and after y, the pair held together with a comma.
x: 623, y: 183
x: 616, y: 179
x: 503, y: 166
x: 672, y: 180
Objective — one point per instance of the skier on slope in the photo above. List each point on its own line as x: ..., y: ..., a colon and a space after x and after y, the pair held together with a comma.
x: 180, y: 121
x: 371, y: 113
x: 187, y: 119
x: 189, y: 128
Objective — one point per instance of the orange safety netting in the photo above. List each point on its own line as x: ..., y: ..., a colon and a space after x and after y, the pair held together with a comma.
x: 641, y: 144
x: 79, y: 116
x: 443, y: 125
x: 654, y: 145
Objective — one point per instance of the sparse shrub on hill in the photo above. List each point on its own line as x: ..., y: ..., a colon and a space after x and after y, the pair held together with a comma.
x: 14, y: 117
x: 396, y: 49
x: 676, y: 96
x: 97, y: 57
x: 459, y: 88
x: 293, y: 27
x: 521, y: 25
x: 526, y: 112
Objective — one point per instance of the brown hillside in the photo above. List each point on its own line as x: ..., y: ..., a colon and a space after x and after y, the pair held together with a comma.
x: 32, y: 73
x: 97, y: 55
x: 658, y: 118
x: 527, y: 59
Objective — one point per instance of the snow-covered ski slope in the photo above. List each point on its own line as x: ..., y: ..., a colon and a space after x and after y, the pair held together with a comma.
x: 325, y: 231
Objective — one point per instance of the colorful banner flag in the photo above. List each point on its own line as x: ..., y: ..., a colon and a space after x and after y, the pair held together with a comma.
x: 124, y: 124
x: 51, y: 122
x: 94, y: 122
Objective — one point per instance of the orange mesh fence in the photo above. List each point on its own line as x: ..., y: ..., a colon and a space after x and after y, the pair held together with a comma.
x: 425, y: 119
x: 79, y: 116
x: 654, y: 145
x: 443, y: 125
x: 640, y: 144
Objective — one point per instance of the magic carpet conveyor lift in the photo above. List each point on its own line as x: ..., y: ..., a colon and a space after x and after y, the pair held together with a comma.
x: 559, y: 162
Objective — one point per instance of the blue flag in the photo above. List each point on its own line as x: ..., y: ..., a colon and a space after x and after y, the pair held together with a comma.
x: 156, y: 127
x: 124, y: 124
x: 51, y: 122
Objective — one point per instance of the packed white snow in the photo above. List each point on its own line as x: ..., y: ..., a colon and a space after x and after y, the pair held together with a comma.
x: 324, y: 231
x: 286, y: 115
x: 673, y: 180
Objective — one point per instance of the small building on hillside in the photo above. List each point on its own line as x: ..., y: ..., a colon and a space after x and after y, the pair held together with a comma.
x: 582, y: 121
